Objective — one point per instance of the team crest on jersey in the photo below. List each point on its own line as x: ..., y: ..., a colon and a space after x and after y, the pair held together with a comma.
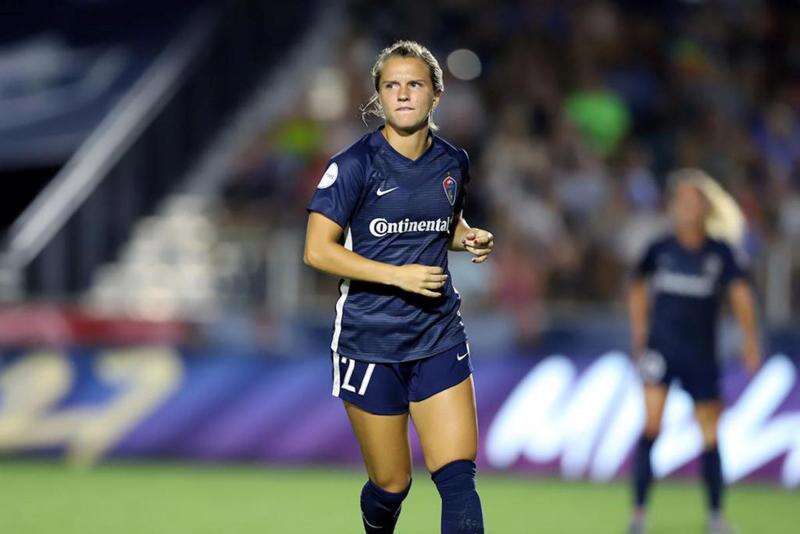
x: 450, y: 188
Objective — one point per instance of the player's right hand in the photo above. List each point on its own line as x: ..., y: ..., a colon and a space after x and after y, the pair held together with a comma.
x: 421, y: 279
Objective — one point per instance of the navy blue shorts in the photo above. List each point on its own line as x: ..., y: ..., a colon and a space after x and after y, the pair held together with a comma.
x: 387, y: 388
x: 698, y: 376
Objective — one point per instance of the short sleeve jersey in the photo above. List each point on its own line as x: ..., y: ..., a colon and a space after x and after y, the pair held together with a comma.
x: 688, y: 286
x: 398, y: 211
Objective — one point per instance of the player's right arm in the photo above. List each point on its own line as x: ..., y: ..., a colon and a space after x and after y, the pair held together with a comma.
x: 638, y: 310
x: 324, y: 252
x: 638, y: 302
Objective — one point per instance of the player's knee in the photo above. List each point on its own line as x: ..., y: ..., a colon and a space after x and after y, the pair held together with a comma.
x: 461, y: 505
x: 393, y: 493
x: 455, y: 477
x: 652, y: 430
x: 708, y: 419
x: 435, y: 464
x: 709, y: 437
x: 392, y: 482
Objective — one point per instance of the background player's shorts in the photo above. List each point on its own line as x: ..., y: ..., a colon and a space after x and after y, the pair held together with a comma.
x: 698, y: 376
x: 387, y: 388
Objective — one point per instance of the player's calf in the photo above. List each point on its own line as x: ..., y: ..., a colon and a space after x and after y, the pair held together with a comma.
x: 380, y: 509
x: 461, y: 506
x: 711, y: 467
x: 642, y: 471
x: 708, y: 414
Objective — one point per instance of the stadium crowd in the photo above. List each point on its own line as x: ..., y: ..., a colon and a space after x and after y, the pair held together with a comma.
x: 573, y: 118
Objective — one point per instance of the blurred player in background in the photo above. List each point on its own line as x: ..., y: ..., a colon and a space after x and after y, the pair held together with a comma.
x: 399, y: 345
x: 673, y: 323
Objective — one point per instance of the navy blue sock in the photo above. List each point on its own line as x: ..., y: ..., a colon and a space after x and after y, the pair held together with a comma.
x: 642, y: 470
x: 711, y: 466
x: 461, y: 506
x: 380, y: 509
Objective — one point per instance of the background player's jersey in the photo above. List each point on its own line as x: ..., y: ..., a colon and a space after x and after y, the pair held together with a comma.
x: 398, y: 211
x: 688, y: 286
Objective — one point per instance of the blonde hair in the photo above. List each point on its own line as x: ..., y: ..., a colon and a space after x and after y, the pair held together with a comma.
x: 402, y: 49
x: 725, y: 220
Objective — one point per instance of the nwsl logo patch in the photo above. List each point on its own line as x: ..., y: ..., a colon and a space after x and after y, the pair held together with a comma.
x: 450, y: 188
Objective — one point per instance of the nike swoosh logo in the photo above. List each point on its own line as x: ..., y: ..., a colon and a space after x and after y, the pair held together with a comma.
x: 460, y: 357
x: 381, y: 193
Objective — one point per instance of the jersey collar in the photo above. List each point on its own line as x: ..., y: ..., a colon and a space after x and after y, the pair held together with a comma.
x: 389, y: 149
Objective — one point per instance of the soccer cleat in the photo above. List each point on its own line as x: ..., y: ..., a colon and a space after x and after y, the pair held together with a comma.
x: 636, y: 526
x: 718, y: 525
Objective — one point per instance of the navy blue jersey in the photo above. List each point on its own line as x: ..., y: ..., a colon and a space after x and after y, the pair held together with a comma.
x: 688, y: 286
x: 398, y: 211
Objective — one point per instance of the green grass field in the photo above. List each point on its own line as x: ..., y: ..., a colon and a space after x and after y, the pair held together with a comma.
x: 176, y: 499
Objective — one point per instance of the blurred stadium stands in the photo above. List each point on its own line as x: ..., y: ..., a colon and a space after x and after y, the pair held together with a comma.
x: 203, y: 59
x: 163, y: 154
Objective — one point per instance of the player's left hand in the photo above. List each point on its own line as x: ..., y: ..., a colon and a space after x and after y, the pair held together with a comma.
x: 479, y: 243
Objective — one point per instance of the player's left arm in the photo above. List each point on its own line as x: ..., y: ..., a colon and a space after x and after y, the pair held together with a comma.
x: 476, y: 241
x: 743, y: 304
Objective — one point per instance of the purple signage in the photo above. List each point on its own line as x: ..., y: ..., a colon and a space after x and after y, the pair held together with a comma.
x: 578, y: 418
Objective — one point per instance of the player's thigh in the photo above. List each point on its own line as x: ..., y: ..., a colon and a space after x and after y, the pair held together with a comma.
x: 708, y: 413
x: 447, y: 425
x: 384, y: 445
x: 655, y: 396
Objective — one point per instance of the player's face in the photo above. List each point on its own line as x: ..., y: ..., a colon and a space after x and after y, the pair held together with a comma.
x: 689, y: 207
x: 406, y: 93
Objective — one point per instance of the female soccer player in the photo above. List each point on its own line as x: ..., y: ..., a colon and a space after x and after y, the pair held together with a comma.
x: 674, y: 337
x: 399, y: 346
